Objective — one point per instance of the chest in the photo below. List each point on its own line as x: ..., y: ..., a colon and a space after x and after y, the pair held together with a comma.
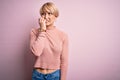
x: 53, y: 43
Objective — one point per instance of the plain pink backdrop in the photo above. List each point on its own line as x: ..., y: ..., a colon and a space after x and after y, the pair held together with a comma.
x: 93, y: 27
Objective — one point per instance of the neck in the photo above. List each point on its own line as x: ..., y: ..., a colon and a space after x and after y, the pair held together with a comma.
x: 50, y: 27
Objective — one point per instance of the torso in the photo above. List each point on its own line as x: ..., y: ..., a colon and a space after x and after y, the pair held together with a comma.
x: 45, y: 71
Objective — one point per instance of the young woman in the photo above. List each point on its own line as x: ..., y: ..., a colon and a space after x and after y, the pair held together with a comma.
x: 50, y: 46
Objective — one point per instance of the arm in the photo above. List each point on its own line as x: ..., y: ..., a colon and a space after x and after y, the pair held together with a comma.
x: 37, y: 42
x: 64, y: 59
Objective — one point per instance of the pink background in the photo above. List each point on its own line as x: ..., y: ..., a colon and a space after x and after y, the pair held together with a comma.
x: 93, y: 27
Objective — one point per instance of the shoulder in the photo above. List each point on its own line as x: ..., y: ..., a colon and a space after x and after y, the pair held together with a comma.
x: 63, y: 34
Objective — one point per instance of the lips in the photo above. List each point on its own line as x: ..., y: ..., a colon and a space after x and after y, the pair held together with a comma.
x: 47, y: 21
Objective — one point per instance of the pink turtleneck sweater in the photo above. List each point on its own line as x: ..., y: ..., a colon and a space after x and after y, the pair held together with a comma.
x: 50, y: 49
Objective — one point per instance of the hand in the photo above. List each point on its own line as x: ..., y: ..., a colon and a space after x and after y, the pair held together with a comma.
x: 42, y: 23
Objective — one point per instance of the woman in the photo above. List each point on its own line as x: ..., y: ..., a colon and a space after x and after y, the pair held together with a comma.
x: 50, y: 46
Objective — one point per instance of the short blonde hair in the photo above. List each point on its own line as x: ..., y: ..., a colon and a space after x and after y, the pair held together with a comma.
x: 49, y: 7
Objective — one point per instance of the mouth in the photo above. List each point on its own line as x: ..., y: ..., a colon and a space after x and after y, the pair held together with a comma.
x: 47, y: 21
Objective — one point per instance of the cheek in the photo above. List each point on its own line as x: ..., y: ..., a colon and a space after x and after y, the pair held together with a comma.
x: 54, y: 18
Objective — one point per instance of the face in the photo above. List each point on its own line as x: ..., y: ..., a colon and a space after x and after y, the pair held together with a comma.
x: 50, y: 18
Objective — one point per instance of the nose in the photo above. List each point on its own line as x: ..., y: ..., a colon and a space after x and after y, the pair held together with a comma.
x: 46, y: 16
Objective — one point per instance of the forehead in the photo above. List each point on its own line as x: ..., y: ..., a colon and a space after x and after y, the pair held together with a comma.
x: 46, y: 9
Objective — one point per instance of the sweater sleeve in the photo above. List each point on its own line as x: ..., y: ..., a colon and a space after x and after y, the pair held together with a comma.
x: 37, y: 41
x: 64, y: 59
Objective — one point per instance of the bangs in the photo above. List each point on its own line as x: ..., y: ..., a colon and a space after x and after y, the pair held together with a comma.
x: 47, y: 9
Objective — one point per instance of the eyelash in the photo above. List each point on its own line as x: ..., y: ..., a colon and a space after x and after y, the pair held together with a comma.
x: 47, y: 13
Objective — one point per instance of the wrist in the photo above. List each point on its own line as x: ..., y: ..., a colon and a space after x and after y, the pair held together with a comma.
x: 42, y: 30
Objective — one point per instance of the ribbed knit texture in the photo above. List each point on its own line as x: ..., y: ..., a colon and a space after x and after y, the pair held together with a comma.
x: 50, y: 49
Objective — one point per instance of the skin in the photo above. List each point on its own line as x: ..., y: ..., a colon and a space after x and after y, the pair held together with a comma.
x: 47, y: 21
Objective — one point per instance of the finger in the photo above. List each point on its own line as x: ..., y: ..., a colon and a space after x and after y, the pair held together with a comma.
x: 41, y: 20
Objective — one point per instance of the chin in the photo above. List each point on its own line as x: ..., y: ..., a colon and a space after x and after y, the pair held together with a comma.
x: 48, y: 24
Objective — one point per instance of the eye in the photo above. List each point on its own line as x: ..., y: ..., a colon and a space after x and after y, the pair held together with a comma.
x: 49, y: 13
x: 43, y: 14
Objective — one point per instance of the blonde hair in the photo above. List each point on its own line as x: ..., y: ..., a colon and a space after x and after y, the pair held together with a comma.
x: 49, y: 7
